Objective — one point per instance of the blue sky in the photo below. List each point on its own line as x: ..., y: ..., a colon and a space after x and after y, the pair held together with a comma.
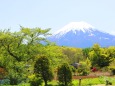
x: 55, y: 14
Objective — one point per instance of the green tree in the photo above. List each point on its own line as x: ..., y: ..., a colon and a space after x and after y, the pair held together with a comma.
x: 86, y: 52
x: 18, y: 50
x: 100, y: 56
x: 111, y: 51
x: 74, y: 54
x: 64, y: 74
x: 42, y: 69
x: 55, y: 55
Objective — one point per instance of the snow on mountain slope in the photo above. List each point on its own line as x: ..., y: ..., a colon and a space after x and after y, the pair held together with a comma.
x: 75, y: 26
x: 81, y: 34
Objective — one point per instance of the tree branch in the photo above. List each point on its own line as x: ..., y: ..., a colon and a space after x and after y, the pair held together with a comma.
x: 16, y: 57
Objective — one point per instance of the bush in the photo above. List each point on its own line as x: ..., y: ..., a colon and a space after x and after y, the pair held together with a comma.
x: 112, y: 70
x: 82, y: 72
x: 83, y: 69
x: 35, y: 81
x: 112, y: 67
x: 2, y: 72
x: 13, y: 80
x: 94, y: 69
x: 5, y: 82
x: 16, y: 78
x: 73, y: 70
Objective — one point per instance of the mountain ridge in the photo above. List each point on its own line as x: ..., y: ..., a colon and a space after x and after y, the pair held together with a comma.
x: 81, y: 34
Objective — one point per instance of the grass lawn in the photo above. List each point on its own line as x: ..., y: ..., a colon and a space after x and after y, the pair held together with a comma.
x: 89, y: 81
x: 84, y: 82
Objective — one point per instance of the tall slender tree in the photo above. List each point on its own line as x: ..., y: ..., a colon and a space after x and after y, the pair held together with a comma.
x: 64, y: 74
x: 42, y: 69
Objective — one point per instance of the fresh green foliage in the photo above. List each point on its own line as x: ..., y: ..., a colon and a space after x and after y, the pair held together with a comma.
x: 100, y: 56
x: 34, y: 80
x: 73, y: 70
x: 18, y: 51
x: 5, y: 82
x: 86, y: 52
x: 74, y: 54
x: 112, y: 67
x: 83, y: 69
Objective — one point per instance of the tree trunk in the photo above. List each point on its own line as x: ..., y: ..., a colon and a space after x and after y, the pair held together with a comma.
x: 45, y: 82
x: 66, y: 83
x: 65, y: 77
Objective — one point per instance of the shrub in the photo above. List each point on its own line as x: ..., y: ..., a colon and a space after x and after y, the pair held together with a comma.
x: 82, y: 72
x: 36, y: 82
x: 2, y: 72
x: 13, y: 80
x: 83, y: 69
x: 16, y: 78
x: 112, y: 67
x: 94, y: 69
x: 73, y: 70
x: 112, y: 70
x: 5, y: 82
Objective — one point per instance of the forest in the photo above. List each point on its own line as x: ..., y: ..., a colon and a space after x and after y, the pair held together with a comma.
x: 26, y: 56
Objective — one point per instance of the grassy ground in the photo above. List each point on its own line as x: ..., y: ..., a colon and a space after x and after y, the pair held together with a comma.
x: 89, y: 82
x: 84, y: 82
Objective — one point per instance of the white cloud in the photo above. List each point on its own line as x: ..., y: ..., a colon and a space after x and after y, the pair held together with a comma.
x: 112, y: 32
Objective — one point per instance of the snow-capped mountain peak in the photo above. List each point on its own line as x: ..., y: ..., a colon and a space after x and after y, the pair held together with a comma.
x: 82, y: 35
x: 75, y: 26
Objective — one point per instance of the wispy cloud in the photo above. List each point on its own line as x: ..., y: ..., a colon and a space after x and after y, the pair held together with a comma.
x: 112, y: 32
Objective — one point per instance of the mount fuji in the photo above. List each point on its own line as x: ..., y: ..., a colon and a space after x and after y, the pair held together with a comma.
x: 82, y: 35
